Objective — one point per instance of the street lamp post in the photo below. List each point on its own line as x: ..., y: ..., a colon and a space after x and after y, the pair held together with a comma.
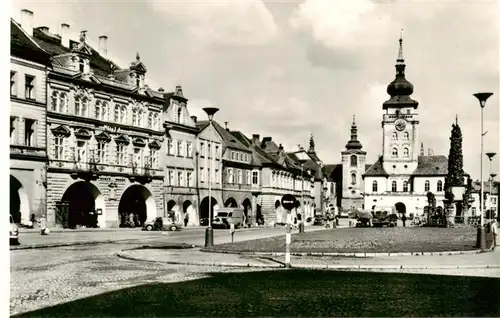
x: 481, y: 239
x: 490, y: 157
x: 302, y: 192
x: 209, y: 232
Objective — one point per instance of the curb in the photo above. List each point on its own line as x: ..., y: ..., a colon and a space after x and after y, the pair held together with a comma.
x: 52, y: 245
x: 358, y: 254
x: 223, y: 264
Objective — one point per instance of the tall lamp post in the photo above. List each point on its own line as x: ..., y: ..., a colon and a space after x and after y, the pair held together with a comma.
x: 481, y: 239
x: 209, y: 232
x: 490, y: 157
x: 302, y: 192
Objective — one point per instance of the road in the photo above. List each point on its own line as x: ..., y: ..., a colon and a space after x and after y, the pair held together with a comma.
x: 49, y: 276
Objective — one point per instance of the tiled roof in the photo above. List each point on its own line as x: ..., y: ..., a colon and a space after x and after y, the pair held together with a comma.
x: 376, y: 169
x: 23, y: 46
x: 333, y: 172
x: 229, y: 139
x: 431, y: 165
x: 486, y: 187
x: 201, y: 124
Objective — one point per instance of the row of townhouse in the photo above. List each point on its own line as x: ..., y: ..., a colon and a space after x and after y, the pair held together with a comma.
x: 89, y: 136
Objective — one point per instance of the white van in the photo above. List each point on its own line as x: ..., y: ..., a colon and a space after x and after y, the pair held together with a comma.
x: 227, y: 216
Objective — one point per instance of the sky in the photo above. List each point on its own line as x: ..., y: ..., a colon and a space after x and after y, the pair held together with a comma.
x: 287, y: 69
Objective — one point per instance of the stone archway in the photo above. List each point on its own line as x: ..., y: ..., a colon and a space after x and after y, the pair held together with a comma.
x: 19, y: 201
x: 82, y: 204
x: 205, y: 211
x: 189, y: 213
x: 231, y: 203
x: 173, y: 210
x: 247, y: 209
x: 400, y: 208
x: 137, y: 205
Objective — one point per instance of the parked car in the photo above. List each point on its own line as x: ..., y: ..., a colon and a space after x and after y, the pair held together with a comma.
x: 227, y: 216
x: 13, y: 232
x: 161, y: 224
x: 319, y: 220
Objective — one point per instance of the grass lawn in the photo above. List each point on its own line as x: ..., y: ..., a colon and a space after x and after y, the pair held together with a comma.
x: 370, y: 240
x: 287, y: 293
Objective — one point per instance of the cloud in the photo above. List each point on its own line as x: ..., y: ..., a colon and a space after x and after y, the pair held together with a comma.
x: 240, y: 23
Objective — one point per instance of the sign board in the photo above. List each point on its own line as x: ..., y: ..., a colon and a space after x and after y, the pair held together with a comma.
x: 288, y: 201
x: 231, y: 228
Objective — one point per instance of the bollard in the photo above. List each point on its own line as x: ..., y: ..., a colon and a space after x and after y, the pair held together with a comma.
x: 288, y: 238
x: 301, y: 227
x: 231, y: 231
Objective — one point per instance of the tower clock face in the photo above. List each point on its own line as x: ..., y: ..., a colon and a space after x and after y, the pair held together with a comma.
x: 400, y: 124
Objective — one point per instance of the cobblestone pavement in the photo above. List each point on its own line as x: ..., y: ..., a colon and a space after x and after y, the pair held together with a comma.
x: 46, y: 277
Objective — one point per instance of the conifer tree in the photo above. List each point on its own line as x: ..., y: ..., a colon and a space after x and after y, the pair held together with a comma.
x: 455, y: 159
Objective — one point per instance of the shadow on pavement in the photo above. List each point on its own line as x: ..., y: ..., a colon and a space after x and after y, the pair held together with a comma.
x: 294, y: 293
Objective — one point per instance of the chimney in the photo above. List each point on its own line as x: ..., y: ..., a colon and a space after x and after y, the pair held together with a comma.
x: 430, y: 152
x: 161, y: 90
x: 103, y: 46
x: 195, y: 119
x: 225, y: 123
x: 178, y: 91
x: 255, y: 139
x: 44, y: 29
x: 27, y: 21
x: 64, y: 33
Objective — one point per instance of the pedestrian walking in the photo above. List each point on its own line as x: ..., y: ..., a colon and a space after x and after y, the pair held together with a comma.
x: 186, y: 219
x: 404, y: 220
x: 494, y: 231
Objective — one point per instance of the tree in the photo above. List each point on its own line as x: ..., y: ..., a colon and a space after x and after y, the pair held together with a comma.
x: 455, y: 159
x: 431, y: 200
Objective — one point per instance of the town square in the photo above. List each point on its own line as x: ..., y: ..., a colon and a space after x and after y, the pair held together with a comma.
x: 253, y: 158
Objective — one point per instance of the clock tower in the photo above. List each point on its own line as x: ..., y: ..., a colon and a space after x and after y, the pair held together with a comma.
x: 400, y: 123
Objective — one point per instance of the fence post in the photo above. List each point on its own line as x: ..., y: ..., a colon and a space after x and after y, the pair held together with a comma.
x: 288, y: 240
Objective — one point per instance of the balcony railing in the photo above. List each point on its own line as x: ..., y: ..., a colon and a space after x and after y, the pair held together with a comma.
x: 142, y: 172
x: 86, y: 170
x: 27, y: 150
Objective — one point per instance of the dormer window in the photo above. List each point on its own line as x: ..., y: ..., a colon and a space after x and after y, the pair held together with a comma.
x: 138, y: 80
x: 179, y: 115
x: 81, y: 65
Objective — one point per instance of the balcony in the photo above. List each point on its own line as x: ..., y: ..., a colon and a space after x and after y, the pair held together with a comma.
x: 22, y: 151
x: 247, y: 187
x: 142, y: 172
x: 87, y: 171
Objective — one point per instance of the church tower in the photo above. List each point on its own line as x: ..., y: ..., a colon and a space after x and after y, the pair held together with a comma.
x: 400, y: 124
x: 353, y: 167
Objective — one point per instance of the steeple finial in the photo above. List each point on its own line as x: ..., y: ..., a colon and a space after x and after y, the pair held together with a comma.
x: 456, y: 119
x: 311, y: 143
x: 354, y: 142
x: 401, y: 59
x: 354, y: 119
x: 137, y: 57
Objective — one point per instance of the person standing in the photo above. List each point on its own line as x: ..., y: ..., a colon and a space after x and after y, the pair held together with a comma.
x: 186, y: 219
x: 494, y: 231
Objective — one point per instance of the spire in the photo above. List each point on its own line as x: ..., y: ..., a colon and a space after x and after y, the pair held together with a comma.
x: 311, y: 144
x: 456, y: 119
x: 354, y: 143
x: 137, y: 57
x: 422, y: 152
x: 400, y: 62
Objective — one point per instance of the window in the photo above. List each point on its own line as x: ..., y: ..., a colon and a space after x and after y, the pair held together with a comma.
x: 53, y: 101
x: 135, y: 117
x: 427, y: 186
x: 171, y: 177
x: 240, y: 176
x: 374, y: 186
x: 394, y: 186
x: 189, y: 177
x: 117, y: 113
x: 155, y: 158
x: 216, y: 151
x: 13, y: 130
x: 394, y: 153
x: 63, y: 103
x: 81, y: 106
x: 354, y: 161
x: 141, y: 118
x: 180, y: 148
x: 255, y: 177
x: 29, y: 87
x: 179, y: 115
x: 123, y: 115
x: 230, y: 176
x: 180, y: 178
x: 81, y: 65
x: 209, y: 176
x: 29, y: 132
x: 406, y: 152
x: 248, y: 177
x: 394, y: 136
x: 150, y: 120
x: 138, y: 156
x: 59, y: 148
x: 202, y: 149
x: 98, y: 110
x: 13, y: 86
x: 217, y: 175
x: 202, y: 175
x: 353, y: 178
x: 120, y: 154
x: 189, y: 147
x: 170, y: 146
x: 405, y: 186
x: 81, y: 147
x: 440, y: 186
x: 209, y: 148
x: 473, y: 211
x: 406, y: 135
x: 493, y: 200
x: 101, y: 152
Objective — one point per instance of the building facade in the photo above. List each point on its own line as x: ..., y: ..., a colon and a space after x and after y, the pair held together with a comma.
x: 104, y: 135
x: 29, y: 65
x: 179, y: 159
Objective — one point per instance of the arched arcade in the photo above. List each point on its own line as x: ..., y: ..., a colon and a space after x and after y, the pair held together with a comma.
x: 136, y: 205
x: 82, y: 204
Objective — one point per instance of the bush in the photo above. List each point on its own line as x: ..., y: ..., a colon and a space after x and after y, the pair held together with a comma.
x: 309, y: 219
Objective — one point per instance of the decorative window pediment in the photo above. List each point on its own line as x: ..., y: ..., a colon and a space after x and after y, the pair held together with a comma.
x: 61, y: 131
x: 83, y: 134
x: 103, y: 136
x: 139, y: 142
x: 81, y: 48
x: 154, y: 145
x: 122, y: 139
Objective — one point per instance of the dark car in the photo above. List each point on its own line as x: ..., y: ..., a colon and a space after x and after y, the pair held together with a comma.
x: 319, y: 220
x: 161, y: 224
